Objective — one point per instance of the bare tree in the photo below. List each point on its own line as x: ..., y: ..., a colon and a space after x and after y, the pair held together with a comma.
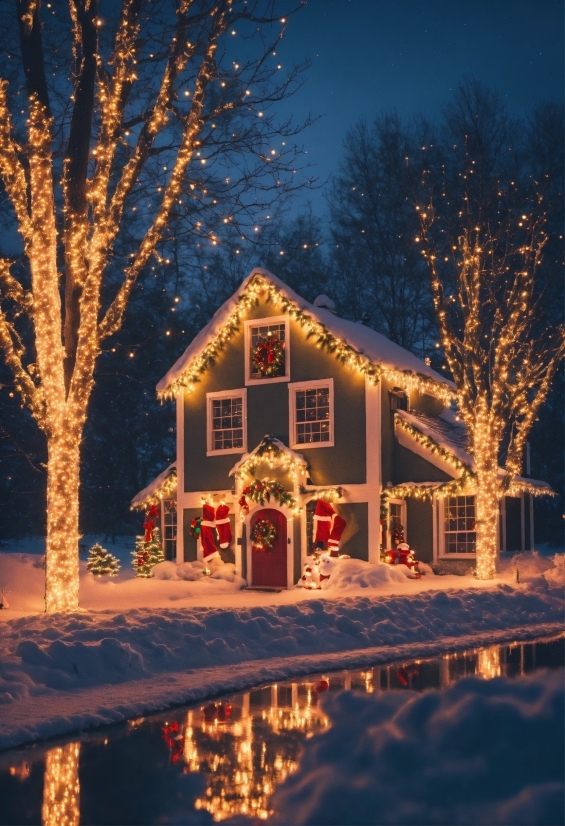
x: 483, y: 208
x: 112, y: 109
x: 377, y: 271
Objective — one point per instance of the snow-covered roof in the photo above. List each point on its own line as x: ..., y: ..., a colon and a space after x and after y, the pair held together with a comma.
x: 270, y: 450
x: 444, y: 430
x: 373, y: 347
x: 155, y: 488
x: 451, y: 435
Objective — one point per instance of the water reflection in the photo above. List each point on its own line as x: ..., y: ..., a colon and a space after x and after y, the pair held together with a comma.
x: 61, y: 787
x: 241, y: 747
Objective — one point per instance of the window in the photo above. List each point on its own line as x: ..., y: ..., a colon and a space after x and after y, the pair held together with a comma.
x: 310, y: 511
x: 311, y: 414
x: 265, y: 330
x: 459, y: 525
x: 227, y: 422
x: 398, y: 399
x: 170, y: 529
x: 396, y: 522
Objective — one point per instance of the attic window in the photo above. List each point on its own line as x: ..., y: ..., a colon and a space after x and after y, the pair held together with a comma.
x: 398, y: 399
x: 263, y: 332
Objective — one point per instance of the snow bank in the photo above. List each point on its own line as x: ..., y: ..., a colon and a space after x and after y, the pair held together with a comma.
x: 351, y: 574
x: 480, y: 752
x: 194, y: 572
x: 68, y: 671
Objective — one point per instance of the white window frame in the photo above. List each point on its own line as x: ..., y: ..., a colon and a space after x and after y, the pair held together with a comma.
x: 266, y: 322
x: 309, y: 385
x: 402, y: 503
x: 225, y: 394
x: 441, y: 529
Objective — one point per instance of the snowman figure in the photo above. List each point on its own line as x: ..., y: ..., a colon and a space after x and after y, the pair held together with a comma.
x: 327, y: 565
x: 310, y: 578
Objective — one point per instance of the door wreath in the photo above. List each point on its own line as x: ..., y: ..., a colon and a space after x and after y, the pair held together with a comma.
x: 264, y: 534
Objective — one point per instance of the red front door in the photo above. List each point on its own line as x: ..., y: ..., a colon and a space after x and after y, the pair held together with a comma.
x: 268, y: 568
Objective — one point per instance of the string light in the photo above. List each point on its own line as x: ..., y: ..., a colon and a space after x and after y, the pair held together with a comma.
x: 164, y: 490
x: 259, y: 286
x: 501, y: 365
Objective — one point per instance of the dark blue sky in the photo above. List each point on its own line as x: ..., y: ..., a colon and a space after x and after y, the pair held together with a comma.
x: 409, y: 55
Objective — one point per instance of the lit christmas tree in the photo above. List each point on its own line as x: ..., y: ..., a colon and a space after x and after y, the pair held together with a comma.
x: 147, y: 554
x: 101, y: 562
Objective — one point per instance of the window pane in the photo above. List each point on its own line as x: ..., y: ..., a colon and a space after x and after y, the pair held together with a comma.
x: 312, y: 415
x: 227, y: 422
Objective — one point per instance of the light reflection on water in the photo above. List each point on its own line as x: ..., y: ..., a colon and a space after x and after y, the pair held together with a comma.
x: 241, y: 747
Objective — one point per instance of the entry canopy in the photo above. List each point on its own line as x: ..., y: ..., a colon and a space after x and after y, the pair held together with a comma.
x: 273, y: 452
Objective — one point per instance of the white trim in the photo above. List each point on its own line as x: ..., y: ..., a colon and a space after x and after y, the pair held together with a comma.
x: 226, y: 394
x: 435, y: 528
x: 522, y: 522
x: 441, y: 530
x: 180, y: 475
x: 308, y: 385
x: 531, y: 522
x: 371, y: 491
x: 266, y: 322
x: 403, y: 513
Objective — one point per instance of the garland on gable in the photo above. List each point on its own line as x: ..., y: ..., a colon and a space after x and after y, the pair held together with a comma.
x: 431, y: 445
x: 259, y: 285
x: 270, y: 453
x: 261, y: 490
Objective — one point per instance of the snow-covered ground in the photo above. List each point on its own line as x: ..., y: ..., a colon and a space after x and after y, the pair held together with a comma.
x: 479, y: 752
x: 145, y: 644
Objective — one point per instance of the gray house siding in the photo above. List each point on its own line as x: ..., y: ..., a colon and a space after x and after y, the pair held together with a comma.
x: 268, y: 412
x: 419, y: 528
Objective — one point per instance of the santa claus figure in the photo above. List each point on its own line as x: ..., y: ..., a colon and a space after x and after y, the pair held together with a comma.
x: 209, y: 550
x: 223, y: 525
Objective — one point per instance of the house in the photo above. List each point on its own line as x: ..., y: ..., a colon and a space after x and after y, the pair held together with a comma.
x: 282, y: 397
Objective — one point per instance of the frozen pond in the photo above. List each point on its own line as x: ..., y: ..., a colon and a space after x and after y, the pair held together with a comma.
x: 223, y: 757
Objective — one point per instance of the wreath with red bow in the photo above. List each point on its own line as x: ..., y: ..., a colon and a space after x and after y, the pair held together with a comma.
x: 268, y: 356
x: 264, y: 534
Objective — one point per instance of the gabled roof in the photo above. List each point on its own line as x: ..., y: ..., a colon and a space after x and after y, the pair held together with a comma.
x: 447, y: 436
x: 271, y: 451
x: 364, y: 348
x: 161, y: 486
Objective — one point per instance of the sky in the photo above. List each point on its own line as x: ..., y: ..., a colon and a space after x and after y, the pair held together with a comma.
x: 410, y: 55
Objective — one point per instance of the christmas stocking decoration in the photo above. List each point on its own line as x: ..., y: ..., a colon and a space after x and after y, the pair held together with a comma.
x: 338, y: 528
x: 223, y: 525
x: 323, y: 521
x: 207, y: 533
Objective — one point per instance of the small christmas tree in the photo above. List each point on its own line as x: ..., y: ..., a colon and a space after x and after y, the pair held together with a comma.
x: 101, y: 562
x: 147, y: 554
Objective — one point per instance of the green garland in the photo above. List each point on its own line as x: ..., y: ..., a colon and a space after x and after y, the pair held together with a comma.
x: 261, y: 490
x: 264, y: 534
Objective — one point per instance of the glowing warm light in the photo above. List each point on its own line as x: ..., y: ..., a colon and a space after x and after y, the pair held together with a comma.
x: 259, y: 287
x: 61, y: 787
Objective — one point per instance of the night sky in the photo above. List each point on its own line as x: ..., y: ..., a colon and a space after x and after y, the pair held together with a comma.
x: 408, y: 55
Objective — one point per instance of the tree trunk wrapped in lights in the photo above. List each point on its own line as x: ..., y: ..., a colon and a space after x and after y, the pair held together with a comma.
x: 484, y: 225
x: 155, y: 103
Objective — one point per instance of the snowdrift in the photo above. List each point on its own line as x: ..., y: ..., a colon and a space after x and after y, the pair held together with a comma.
x: 62, y: 672
x: 480, y: 752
